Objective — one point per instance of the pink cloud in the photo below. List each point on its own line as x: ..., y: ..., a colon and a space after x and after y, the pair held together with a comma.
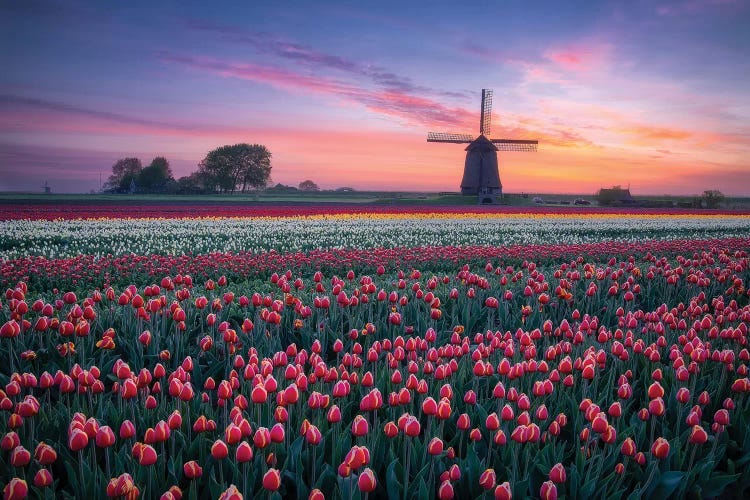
x: 587, y: 57
x: 400, y: 104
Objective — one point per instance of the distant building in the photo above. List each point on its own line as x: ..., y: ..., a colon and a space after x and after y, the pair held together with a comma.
x: 615, y: 196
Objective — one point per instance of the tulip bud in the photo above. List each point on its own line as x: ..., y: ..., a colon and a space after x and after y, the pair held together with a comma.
x: 244, y: 452
x: 435, y: 446
x: 366, y: 481
x: 488, y: 479
x: 698, y: 435
x: 16, y: 488
x: 272, y: 480
x: 503, y: 491
x: 557, y: 473
x: 192, y: 470
x: 219, y: 450
x: 43, y: 478
x: 445, y: 491
x: 660, y: 448
x: 548, y: 491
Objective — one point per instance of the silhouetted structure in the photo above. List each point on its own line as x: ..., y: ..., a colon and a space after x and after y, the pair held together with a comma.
x: 615, y: 196
x: 481, y: 174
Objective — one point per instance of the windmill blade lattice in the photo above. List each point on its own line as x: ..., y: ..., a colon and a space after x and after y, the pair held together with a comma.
x: 485, y: 121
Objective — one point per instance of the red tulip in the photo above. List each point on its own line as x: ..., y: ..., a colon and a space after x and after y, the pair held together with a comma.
x: 175, y: 420
x: 655, y: 390
x: 127, y: 430
x: 503, y: 491
x: 412, y: 427
x: 435, y: 446
x: 599, y: 424
x: 360, y: 427
x: 390, y: 430
x: 366, y: 481
x: 313, y: 435
x: 657, y: 407
x: 77, y: 440
x: 43, y: 478
x: 45, y: 454
x: 147, y: 455
x: 721, y: 417
x: 492, y: 422
x: 445, y: 491
x: 219, y: 450
x: 488, y: 479
x: 262, y: 437
x: 20, y: 457
x: 231, y: 493
x: 334, y: 414
x: 105, y: 437
x: 660, y: 448
x: 244, y: 452
x: 192, y: 470
x: 272, y: 480
x: 548, y: 491
x: 557, y: 473
x: 698, y: 435
x: 15, y: 489
x: 232, y: 434
x: 10, y: 441
x: 683, y: 395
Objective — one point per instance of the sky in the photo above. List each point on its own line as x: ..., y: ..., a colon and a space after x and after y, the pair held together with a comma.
x: 648, y: 94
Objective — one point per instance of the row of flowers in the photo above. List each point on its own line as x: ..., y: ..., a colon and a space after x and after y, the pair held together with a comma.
x: 44, y: 211
x: 64, y: 239
x: 42, y: 273
x: 555, y: 375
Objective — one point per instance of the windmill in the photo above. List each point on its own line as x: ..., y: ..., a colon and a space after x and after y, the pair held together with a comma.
x: 481, y: 175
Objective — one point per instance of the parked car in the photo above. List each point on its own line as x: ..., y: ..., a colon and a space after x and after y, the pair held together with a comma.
x: 581, y: 201
x: 538, y: 200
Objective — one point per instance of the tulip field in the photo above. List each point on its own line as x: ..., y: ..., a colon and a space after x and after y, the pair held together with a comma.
x: 387, y: 352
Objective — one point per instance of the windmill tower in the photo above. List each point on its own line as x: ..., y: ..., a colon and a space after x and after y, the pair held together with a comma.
x: 481, y: 175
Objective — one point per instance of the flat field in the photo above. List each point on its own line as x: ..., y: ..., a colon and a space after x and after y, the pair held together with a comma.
x: 343, y: 350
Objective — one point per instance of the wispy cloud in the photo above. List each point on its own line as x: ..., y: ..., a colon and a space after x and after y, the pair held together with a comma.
x: 587, y: 57
x: 30, y: 113
x: 310, y: 57
x: 393, y: 102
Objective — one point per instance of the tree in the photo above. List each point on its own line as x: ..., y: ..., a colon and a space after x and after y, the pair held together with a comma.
x: 156, y: 176
x: 308, y: 185
x: 712, y: 198
x: 191, y: 184
x: 124, y: 171
x: 239, y: 166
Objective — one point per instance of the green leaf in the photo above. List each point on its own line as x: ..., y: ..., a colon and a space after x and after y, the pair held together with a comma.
x: 394, y: 485
x: 423, y: 489
x: 668, y: 483
x: 715, y: 486
x: 588, y: 489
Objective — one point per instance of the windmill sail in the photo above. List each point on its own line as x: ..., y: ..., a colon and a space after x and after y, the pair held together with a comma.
x: 448, y: 137
x: 486, y: 118
x: 515, y: 144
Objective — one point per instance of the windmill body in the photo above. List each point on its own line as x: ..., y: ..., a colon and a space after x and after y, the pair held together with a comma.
x: 481, y: 174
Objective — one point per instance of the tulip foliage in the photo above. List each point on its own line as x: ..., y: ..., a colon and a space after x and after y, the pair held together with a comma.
x: 598, y: 370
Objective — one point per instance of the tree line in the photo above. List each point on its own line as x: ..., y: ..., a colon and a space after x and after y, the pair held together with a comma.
x: 226, y: 169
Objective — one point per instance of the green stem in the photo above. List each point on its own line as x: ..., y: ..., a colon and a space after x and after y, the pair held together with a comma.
x: 648, y: 481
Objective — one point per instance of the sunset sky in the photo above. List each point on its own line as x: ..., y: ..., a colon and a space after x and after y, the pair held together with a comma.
x: 651, y: 94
